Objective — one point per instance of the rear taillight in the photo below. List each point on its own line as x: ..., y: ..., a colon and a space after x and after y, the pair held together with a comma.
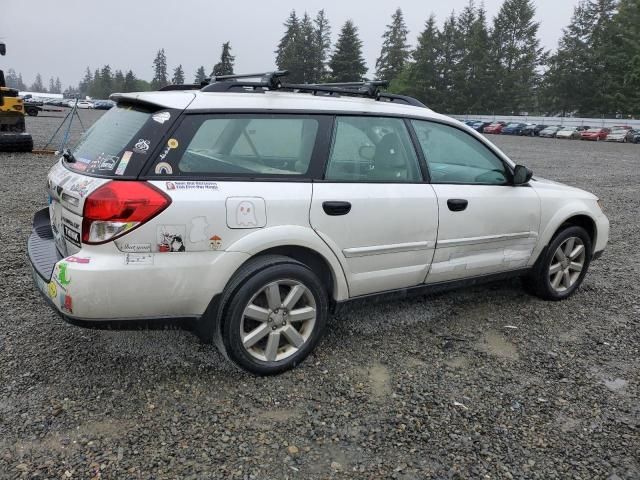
x: 118, y: 207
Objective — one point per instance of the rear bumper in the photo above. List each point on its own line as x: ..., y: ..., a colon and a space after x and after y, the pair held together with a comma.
x: 98, y: 286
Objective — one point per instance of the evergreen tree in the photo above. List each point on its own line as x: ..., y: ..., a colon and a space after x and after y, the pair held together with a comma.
x: 58, y: 85
x: 52, y: 85
x: 95, y: 87
x: 14, y: 80
x: 129, y: 84
x: 200, y: 75
x: 321, y: 47
x: 160, y: 70
x: 395, y: 50
x: 305, y: 45
x: 627, y: 53
x: 289, y: 53
x: 420, y: 78
x: 118, y: 81
x: 85, y: 83
x: 37, y: 85
x: 225, y: 65
x: 447, y: 63
x: 178, y: 75
x: 516, y: 56
x: 105, y: 87
x: 347, y: 63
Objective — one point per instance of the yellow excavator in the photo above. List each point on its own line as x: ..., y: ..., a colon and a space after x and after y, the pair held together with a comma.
x: 13, y: 137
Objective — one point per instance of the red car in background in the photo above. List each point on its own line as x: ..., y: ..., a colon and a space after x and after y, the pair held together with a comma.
x: 595, y: 134
x: 495, y: 127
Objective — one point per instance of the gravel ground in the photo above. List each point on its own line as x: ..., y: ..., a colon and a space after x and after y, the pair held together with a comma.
x: 482, y: 383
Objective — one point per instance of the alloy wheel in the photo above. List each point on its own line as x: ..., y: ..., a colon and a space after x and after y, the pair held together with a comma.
x: 567, y: 264
x: 278, y: 320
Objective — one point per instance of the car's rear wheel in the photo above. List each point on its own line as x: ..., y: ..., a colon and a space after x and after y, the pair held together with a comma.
x: 561, y: 269
x: 276, y: 316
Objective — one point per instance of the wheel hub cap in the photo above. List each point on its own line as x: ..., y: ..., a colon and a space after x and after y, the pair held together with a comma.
x: 567, y: 264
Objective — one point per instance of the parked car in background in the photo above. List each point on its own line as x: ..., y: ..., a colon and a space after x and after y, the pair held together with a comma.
x: 618, y: 134
x: 583, y: 128
x: 479, y: 125
x: 103, y: 104
x: 85, y: 104
x: 634, y: 136
x: 568, y: 133
x: 549, y: 132
x: 533, y: 130
x: 495, y: 128
x: 513, y: 129
x: 595, y: 134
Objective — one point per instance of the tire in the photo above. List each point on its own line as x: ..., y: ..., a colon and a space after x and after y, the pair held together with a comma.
x: 278, y: 343
x: 16, y: 142
x: 32, y: 112
x: 540, y: 281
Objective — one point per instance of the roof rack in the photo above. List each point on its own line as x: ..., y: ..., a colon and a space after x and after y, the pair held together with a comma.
x: 273, y: 81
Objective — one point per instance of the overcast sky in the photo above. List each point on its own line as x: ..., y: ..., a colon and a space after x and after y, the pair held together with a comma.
x: 61, y: 38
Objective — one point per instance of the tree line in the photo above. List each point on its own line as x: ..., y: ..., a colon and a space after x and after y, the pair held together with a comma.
x: 470, y: 64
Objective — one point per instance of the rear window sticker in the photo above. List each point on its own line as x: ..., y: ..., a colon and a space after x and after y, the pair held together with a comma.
x: 134, y: 247
x: 108, y: 162
x: 161, y: 117
x: 171, y: 238
x: 138, y: 258
x: 197, y: 232
x: 163, y: 168
x: 142, y: 146
x: 192, y: 185
x: 215, y: 242
x: 126, y: 156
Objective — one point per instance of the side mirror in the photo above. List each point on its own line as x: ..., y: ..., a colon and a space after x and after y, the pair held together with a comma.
x: 3, y: 49
x: 521, y: 175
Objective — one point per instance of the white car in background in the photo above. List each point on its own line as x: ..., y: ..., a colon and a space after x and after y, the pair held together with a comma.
x: 568, y: 133
x: 254, y: 215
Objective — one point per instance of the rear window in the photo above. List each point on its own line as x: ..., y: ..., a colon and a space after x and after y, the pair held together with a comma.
x: 103, y: 148
x: 252, y: 144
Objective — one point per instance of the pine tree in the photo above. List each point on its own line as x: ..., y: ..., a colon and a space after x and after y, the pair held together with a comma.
x: 516, y: 55
x: 52, y: 85
x: 225, y: 65
x: 21, y: 85
x: 178, y: 75
x: 447, y: 63
x: 200, y: 76
x: 289, y: 54
x: 129, y: 82
x: 627, y: 56
x: 347, y: 63
x: 321, y: 47
x: 58, y: 85
x: 37, y: 85
x: 305, y: 45
x: 85, y: 83
x: 118, y: 81
x: 420, y: 79
x: 160, y: 71
x: 14, y: 80
x: 105, y: 87
x: 395, y: 50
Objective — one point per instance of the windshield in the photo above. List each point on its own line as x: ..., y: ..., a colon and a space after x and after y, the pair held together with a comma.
x: 513, y: 125
x: 101, y: 147
x: 619, y: 130
x: 594, y: 130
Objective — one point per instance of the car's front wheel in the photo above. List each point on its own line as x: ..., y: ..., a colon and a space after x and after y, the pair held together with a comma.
x: 561, y: 269
x: 275, y: 317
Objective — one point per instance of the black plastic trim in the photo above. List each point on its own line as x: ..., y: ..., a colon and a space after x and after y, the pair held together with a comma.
x: 41, y: 246
x: 433, y: 288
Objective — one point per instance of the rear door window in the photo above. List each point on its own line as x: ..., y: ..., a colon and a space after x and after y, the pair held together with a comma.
x: 253, y: 145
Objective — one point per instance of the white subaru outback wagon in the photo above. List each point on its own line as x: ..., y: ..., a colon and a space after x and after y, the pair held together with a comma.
x: 253, y: 209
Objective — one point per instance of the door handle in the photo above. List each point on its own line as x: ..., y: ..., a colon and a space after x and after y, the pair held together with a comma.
x: 457, y: 204
x: 336, y: 208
